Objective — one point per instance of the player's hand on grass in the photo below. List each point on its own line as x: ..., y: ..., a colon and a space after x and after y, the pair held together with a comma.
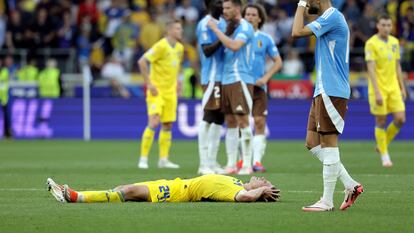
x: 152, y: 89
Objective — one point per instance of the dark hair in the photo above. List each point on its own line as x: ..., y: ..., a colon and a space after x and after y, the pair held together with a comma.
x: 235, y: 2
x: 207, y: 3
x: 383, y: 16
x: 261, y: 11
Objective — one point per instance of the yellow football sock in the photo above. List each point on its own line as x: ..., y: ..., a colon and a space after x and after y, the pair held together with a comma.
x: 146, y: 141
x: 381, y: 138
x: 392, y: 131
x: 164, y: 142
x: 100, y: 196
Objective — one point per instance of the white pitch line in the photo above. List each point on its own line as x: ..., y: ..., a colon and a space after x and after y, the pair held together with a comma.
x: 366, y: 191
x: 283, y: 191
x: 22, y: 189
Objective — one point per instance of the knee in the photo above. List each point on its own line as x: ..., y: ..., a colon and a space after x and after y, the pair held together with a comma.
x: 381, y: 122
x: 309, y: 144
x: 231, y: 123
x: 167, y: 126
x: 130, y: 192
x: 259, y: 126
x: 399, y: 122
x: 242, y: 121
x: 154, y: 122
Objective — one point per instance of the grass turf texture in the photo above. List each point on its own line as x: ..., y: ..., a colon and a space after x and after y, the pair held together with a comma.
x: 25, y: 206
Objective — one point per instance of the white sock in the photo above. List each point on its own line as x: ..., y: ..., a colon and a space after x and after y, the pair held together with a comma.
x: 232, y: 145
x: 330, y: 172
x: 259, y: 146
x: 203, y: 143
x: 316, y: 151
x: 345, y: 178
x: 246, y: 143
x: 213, y: 143
x: 385, y: 158
x: 143, y: 159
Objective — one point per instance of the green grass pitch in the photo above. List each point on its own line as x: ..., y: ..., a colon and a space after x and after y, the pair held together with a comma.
x: 387, y: 205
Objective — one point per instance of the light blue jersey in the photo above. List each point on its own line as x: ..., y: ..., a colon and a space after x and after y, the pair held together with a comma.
x: 263, y: 45
x: 332, y: 54
x: 237, y: 65
x: 211, y: 67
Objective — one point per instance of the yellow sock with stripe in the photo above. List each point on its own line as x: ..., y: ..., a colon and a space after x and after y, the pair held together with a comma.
x: 100, y: 196
x: 146, y: 141
x: 381, y: 138
x: 392, y: 131
x: 164, y: 142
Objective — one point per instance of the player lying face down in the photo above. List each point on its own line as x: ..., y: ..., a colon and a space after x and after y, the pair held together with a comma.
x: 213, y: 187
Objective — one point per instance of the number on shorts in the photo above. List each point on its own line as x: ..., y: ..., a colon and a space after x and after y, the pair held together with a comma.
x: 216, y: 92
x: 164, y: 193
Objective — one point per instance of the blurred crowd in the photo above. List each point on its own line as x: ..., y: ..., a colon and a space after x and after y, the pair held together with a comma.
x: 120, y: 31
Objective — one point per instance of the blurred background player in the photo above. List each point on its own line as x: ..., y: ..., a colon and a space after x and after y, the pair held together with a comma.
x: 212, y: 187
x: 165, y: 58
x: 329, y: 104
x: 211, y: 57
x: 237, y: 85
x: 4, y: 99
x: 263, y: 46
x: 386, y: 87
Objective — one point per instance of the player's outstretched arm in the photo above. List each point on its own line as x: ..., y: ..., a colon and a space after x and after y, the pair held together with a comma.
x: 298, y: 28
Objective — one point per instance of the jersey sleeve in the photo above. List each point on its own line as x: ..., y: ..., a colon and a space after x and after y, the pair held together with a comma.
x: 271, y: 49
x: 154, y: 53
x: 228, y: 189
x: 204, y: 36
x: 323, y: 24
x: 370, y: 51
x: 243, y: 33
x: 222, y: 25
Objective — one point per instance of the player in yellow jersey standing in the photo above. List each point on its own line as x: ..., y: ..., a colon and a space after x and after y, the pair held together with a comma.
x: 386, y: 87
x: 165, y: 59
x: 211, y: 187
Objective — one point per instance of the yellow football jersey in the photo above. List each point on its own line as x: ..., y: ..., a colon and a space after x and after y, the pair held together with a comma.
x: 214, y: 188
x: 165, y: 64
x: 203, y: 188
x: 385, y: 54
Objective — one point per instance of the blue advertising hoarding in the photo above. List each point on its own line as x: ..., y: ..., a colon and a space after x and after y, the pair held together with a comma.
x: 126, y: 119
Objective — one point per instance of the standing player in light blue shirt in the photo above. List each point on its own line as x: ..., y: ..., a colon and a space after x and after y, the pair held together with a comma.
x: 237, y: 84
x: 211, y: 57
x: 263, y: 47
x: 326, y: 116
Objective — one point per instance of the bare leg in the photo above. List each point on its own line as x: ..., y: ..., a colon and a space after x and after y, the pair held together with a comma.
x: 134, y: 192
